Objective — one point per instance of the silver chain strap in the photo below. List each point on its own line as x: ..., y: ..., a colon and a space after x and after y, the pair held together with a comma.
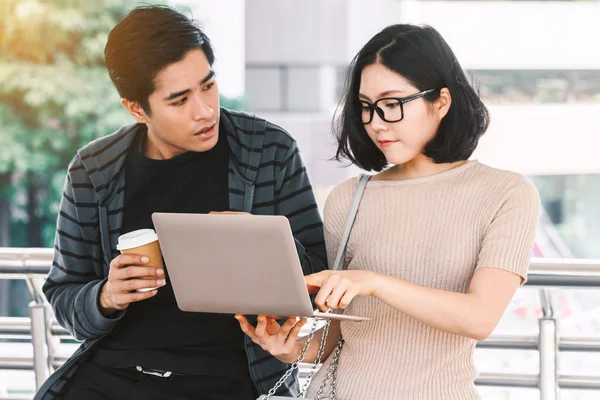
x: 331, y: 372
x: 317, y: 359
x: 295, y: 365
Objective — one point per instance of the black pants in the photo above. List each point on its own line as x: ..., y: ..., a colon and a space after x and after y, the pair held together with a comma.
x: 92, y: 382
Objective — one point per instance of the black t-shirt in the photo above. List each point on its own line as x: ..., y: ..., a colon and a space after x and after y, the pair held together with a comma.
x: 155, y: 333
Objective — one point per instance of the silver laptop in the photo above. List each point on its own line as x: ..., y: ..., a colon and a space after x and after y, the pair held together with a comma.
x: 235, y: 264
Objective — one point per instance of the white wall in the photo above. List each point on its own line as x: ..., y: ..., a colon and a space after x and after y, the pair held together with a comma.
x: 483, y: 34
x: 543, y: 139
x: 296, y: 32
x: 496, y: 34
x: 224, y: 23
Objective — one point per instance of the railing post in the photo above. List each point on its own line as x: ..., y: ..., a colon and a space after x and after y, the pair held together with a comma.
x: 37, y: 312
x: 548, y: 349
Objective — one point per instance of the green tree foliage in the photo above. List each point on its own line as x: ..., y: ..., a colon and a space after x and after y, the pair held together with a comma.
x: 55, y: 96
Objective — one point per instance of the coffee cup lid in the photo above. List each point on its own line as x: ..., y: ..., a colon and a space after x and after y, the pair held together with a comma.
x: 137, y: 238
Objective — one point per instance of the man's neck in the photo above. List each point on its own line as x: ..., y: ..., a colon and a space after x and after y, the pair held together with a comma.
x: 156, y: 149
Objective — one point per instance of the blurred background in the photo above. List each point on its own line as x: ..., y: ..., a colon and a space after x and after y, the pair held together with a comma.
x: 536, y: 63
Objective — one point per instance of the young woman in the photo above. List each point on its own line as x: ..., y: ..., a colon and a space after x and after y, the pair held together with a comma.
x: 440, y: 243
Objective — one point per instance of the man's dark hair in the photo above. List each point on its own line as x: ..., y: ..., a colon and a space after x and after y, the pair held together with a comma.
x: 148, y: 40
x: 422, y: 56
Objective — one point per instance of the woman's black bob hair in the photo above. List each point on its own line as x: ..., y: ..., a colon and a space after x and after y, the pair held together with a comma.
x: 422, y: 56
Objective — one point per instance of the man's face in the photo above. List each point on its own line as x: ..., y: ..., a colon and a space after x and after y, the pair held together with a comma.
x: 184, y: 108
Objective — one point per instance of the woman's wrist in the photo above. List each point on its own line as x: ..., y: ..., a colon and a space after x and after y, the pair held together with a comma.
x: 373, y: 284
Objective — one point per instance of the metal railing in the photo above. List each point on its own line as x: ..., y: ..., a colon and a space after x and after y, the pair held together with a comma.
x: 33, y: 265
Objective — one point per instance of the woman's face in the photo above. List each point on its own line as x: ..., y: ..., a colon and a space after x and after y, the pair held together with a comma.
x: 404, y: 140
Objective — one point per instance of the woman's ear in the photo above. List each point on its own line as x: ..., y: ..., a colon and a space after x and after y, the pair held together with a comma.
x: 443, y: 103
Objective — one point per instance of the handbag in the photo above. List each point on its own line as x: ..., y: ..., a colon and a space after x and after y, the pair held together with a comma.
x: 331, y: 374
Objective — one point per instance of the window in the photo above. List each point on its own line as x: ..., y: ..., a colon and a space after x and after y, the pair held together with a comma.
x: 538, y: 86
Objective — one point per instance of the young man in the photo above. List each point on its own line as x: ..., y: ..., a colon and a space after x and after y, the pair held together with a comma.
x: 184, y: 154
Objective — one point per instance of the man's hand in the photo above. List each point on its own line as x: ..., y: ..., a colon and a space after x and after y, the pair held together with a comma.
x: 279, y: 340
x: 127, y: 274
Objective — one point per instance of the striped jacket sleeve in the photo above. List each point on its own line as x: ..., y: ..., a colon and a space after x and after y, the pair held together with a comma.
x: 75, y: 279
x: 296, y: 200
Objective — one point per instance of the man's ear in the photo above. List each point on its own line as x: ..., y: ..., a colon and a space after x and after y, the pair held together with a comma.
x: 136, y: 110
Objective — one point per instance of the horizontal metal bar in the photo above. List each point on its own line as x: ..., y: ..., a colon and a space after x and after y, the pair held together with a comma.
x: 23, y: 271
x: 15, y: 323
x: 26, y: 363
x: 516, y: 381
x: 579, y: 344
x: 508, y: 380
x: 26, y: 253
x: 565, y: 264
x: 17, y: 333
x: 564, y: 272
x: 484, y: 379
x: 58, y: 330
x: 22, y: 326
x: 16, y: 363
x: 16, y: 397
x: 581, y: 279
x: 18, y: 263
x: 579, y: 382
x: 515, y: 342
x: 509, y: 342
x: 11, y: 337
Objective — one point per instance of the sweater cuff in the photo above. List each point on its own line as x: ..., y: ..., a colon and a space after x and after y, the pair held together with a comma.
x: 97, y: 320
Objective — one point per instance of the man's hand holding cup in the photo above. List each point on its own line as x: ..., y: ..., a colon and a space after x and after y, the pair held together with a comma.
x: 134, y: 275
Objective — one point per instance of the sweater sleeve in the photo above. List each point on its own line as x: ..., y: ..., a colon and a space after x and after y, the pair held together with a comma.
x: 509, y: 238
x: 73, y: 285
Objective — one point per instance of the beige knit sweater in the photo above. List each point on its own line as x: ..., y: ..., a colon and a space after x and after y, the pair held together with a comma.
x: 434, y: 231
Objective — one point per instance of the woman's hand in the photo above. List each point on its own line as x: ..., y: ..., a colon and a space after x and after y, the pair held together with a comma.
x: 278, y: 340
x: 336, y: 289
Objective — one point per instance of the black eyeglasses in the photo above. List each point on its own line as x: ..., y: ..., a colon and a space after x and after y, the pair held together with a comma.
x: 392, y: 109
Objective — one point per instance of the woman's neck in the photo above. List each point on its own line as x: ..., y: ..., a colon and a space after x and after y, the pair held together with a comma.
x: 419, y: 167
